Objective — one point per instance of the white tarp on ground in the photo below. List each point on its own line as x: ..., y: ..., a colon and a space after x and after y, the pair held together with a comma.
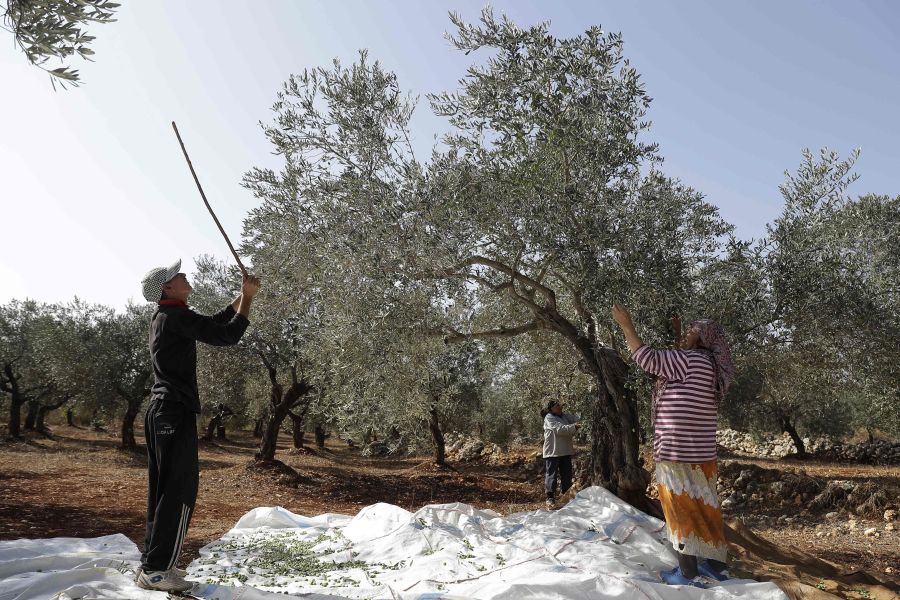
x: 595, y: 547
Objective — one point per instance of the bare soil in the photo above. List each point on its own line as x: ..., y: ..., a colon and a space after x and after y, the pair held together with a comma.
x: 80, y: 484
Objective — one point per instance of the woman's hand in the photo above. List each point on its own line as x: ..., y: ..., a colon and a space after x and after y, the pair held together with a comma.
x: 621, y: 315
x: 623, y: 318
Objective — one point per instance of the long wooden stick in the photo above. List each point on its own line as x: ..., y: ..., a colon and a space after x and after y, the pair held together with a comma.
x: 206, y: 202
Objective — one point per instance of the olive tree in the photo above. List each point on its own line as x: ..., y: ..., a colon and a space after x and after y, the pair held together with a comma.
x: 541, y: 208
x: 121, y: 357
x: 21, y: 379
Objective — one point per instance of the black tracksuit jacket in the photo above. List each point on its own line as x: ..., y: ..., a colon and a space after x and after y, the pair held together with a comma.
x: 174, y: 333
x: 170, y: 424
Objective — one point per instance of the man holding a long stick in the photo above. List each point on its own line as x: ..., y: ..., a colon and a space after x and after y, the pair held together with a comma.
x: 170, y: 424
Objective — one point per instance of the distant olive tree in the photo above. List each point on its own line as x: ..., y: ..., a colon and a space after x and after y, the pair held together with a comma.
x: 813, y: 309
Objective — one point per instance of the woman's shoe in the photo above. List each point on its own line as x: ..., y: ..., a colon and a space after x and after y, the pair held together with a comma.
x: 707, y: 570
x: 676, y: 577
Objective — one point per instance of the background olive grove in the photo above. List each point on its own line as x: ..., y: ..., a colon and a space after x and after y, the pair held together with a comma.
x: 406, y: 296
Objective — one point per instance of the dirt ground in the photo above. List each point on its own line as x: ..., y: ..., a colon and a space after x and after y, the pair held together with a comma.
x: 80, y: 484
x: 826, y: 538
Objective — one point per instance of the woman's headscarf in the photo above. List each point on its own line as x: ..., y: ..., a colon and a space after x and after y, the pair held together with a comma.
x: 712, y: 339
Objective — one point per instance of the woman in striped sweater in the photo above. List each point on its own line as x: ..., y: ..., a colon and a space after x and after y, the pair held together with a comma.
x: 691, y: 382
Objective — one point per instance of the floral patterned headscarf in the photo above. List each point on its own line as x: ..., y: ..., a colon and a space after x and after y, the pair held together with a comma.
x: 712, y: 339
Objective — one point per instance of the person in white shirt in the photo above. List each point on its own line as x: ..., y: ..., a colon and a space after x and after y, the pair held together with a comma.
x: 559, y: 431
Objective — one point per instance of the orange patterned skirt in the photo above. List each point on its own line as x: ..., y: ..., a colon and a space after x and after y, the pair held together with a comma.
x: 691, y: 506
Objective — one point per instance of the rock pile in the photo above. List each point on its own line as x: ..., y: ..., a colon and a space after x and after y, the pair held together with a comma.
x: 739, y: 442
x: 880, y: 452
x: 395, y: 447
x: 378, y: 448
x: 753, y: 487
x: 463, y: 448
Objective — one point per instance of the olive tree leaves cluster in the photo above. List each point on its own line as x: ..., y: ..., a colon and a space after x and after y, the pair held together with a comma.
x: 56, y: 29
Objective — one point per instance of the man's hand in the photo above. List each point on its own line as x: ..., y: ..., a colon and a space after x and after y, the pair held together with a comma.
x: 250, y: 286
x: 621, y: 315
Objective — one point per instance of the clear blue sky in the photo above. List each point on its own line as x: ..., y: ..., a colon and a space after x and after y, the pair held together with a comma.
x: 95, y: 191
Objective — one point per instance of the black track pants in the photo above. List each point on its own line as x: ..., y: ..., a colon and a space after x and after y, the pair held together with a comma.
x: 557, y: 468
x: 170, y: 430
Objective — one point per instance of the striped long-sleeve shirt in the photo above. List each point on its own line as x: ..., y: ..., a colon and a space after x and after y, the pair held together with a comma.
x: 685, y: 429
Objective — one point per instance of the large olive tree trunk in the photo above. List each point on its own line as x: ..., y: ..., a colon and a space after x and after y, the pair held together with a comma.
x: 615, y: 430
x: 134, y: 393
x: 127, y: 433
x: 14, y: 424
x: 216, y: 426
x: 321, y: 436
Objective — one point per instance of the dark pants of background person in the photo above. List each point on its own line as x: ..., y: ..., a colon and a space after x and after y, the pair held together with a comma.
x: 170, y: 429
x: 558, y: 468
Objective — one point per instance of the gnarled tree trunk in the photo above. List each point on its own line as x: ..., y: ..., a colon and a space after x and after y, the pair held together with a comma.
x: 211, y: 428
x: 299, y: 421
x: 299, y: 432
x: 437, y: 436
x: 615, y: 457
x: 280, y: 404
x: 14, y: 425
x: 216, y: 426
x: 788, y: 428
x: 31, y: 416
x: 131, y: 413
x: 134, y: 398
x: 320, y: 436
x: 9, y: 383
x: 40, y: 425
x: 615, y: 429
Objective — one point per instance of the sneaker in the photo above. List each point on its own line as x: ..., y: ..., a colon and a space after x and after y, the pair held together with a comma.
x: 163, y: 581
x: 707, y: 570
x: 676, y: 577
x: 179, y: 572
x: 551, y: 504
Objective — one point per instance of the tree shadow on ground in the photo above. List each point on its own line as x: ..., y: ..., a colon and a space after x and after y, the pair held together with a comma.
x: 214, y: 465
x: 52, y: 519
x: 427, y: 487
